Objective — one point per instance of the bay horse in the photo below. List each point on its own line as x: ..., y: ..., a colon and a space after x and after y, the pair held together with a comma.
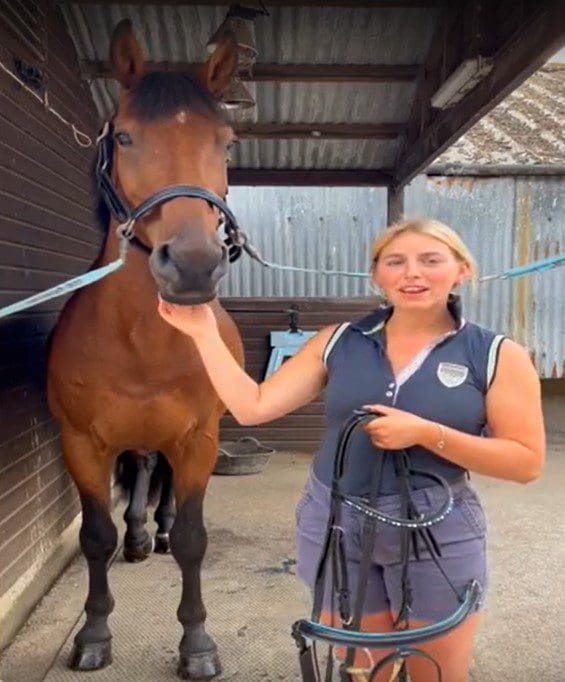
x: 120, y: 379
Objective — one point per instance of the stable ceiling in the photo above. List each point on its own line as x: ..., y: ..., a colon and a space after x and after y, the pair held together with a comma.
x: 342, y: 89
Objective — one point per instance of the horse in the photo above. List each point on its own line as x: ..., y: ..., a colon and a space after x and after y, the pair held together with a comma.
x: 119, y: 378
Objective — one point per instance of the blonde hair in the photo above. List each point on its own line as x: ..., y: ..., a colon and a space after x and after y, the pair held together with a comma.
x: 433, y: 228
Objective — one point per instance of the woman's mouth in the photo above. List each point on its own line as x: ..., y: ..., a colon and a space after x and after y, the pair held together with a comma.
x: 413, y: 290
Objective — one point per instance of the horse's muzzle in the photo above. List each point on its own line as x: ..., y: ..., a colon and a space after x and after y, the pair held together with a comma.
x: 188, y: 274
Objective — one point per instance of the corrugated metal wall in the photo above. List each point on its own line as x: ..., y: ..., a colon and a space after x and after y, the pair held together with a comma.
x: 508, y: 222
x: 311, y: 227
x: 504, y: 221
x: 46, y: 236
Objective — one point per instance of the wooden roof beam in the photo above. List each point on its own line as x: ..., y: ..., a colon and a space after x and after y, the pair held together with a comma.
x: 364, y: 177
x: 349, y: 4
x: 284, y: 73
x: 318, y: 131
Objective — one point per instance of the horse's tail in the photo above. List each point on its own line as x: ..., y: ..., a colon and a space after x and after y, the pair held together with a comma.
x: 127, y: 465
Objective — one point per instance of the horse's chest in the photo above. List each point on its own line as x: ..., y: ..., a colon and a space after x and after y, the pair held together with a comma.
x: 149, y: 422
x: 130, y: 395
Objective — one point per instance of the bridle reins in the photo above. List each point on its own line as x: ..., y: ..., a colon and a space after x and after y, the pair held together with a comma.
x: 235, y: 239
x: 415, y: 528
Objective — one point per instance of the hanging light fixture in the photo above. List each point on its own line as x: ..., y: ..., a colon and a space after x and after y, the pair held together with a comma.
x: 237, y: 96
x: 465, y: 77
x: 239, y: 21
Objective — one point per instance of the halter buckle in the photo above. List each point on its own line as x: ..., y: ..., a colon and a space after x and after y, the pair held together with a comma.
x: 238, y: 237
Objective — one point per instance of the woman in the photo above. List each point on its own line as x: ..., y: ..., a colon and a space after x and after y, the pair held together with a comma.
x: 436, y: 383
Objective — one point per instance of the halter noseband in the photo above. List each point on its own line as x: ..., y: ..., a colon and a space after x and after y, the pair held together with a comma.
x: 235, y: 239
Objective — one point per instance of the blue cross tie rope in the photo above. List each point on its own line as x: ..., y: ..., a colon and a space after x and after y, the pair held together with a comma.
x: 94, y: 275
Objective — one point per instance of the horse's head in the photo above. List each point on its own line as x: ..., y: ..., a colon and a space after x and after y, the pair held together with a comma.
x: 169, y: 131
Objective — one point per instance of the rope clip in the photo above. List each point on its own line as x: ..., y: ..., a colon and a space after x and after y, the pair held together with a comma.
x: 125, y: 230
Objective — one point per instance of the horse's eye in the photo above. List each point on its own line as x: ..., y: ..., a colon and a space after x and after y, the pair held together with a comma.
x: 123, y: 139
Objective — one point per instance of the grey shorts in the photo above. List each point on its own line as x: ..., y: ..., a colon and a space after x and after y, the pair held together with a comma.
x: 461, y: 536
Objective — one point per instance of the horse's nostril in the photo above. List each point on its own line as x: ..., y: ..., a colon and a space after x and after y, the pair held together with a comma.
x: 164, y: 254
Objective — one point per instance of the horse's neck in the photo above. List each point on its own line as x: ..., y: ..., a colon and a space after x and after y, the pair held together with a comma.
x: 130, y: 290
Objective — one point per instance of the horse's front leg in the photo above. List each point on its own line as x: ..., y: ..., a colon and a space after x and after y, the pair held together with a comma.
x: 192, y: 468
x: 91, y: 470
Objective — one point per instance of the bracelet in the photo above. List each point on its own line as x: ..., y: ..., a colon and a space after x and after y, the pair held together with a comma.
x: 441, y: 442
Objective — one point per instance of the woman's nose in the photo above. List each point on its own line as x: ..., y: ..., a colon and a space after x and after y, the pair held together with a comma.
x: 412, y: 268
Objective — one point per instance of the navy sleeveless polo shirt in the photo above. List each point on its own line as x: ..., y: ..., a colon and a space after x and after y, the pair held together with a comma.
x: 446, y: 383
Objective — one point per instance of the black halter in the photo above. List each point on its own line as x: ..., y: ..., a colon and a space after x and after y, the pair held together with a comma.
x: 415, y: 527
x: 234, y: 240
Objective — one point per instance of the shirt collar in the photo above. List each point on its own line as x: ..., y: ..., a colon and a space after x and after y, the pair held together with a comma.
x: 375, y: 321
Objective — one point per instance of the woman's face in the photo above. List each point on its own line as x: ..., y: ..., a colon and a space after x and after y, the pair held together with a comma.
x: 417, y: 271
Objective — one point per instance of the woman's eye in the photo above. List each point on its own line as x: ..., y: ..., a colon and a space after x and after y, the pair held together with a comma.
x: 123, y: 139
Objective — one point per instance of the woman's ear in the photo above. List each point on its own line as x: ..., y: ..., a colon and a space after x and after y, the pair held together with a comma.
x: 464, y: 274
x: 374, y: 286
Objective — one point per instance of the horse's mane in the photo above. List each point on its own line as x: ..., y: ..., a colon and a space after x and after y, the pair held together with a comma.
x: 159, y: 94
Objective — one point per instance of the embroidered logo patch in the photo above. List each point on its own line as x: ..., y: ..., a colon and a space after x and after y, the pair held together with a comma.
x: 452, y: 375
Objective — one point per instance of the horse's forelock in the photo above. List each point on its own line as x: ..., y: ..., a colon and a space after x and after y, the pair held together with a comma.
x: 161, y: 94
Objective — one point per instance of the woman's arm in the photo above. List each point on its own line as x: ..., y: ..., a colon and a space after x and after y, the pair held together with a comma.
x: 516, y: 449
x: 297, y: 382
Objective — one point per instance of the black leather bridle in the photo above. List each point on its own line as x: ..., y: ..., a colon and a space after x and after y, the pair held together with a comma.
x: 414, y: 527
x: 235, y: 239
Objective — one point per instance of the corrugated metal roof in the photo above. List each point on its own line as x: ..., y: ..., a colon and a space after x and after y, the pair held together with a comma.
x: 526, y: 128
x: 334, y: 102
x: 178, y: 33
x: 324, y: 35
x: 310, y: 154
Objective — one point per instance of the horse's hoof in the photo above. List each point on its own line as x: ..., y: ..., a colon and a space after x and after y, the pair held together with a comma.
x: 201, y: 666
x: 136, y: 553
x: 91, y: 656
x: 162, y: 543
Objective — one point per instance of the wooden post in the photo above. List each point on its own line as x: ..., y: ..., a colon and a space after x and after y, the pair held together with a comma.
x: 395, y: 204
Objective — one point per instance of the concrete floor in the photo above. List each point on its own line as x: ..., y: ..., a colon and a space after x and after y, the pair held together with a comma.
x: 252, y: 596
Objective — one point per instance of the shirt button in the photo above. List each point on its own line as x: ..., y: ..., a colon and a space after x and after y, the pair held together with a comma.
x: 391, y: 385
x: 388, y: 394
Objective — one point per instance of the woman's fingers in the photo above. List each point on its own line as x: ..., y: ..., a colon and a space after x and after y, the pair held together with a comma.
x: 374, y: 430
x: 164, y: 307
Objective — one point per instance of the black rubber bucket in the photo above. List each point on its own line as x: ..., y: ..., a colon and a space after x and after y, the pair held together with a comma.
x: 243, y: 456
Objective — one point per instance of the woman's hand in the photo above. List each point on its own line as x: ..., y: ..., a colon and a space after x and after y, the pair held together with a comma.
x: 395, y: 429
x: 194, y: 320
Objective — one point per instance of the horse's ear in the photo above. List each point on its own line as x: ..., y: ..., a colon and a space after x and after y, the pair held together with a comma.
x: 220, y: 67
x: 126, y: 55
